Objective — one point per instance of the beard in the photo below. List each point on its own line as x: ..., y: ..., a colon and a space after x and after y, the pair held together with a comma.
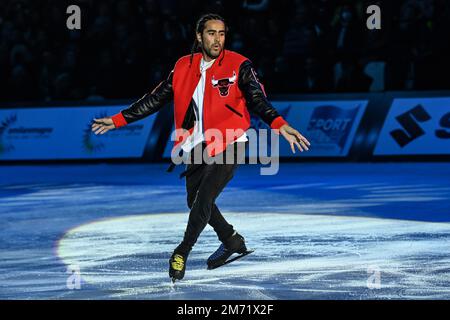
x: 212, y: 52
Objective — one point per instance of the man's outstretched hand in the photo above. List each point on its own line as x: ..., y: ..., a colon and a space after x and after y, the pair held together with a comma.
x: 294, y: 138
x: 103, y: 125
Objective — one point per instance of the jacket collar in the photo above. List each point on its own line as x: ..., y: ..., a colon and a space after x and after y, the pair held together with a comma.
x: 217, y: 62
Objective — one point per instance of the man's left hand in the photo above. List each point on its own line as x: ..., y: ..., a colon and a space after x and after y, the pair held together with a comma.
x: 294, y: 138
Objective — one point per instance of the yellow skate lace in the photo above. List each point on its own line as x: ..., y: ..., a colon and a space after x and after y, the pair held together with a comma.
x: 178, y: 262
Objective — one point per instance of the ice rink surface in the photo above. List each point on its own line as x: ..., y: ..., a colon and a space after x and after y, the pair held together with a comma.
x: 319, y: 231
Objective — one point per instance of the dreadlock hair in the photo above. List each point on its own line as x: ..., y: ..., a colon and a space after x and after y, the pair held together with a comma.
x: 200, y: 26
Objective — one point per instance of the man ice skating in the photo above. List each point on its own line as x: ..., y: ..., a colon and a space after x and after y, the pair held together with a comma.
x: 213, y: 89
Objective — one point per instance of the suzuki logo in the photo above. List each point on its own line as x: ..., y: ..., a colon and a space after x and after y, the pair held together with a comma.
x: 410, y: 123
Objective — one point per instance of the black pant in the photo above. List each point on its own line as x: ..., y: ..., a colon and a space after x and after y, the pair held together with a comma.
x: 204, y: 183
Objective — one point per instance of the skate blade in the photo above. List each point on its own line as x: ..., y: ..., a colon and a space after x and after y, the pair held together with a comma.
x: 241, y: 255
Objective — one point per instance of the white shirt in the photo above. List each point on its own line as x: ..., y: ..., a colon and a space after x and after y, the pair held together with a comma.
x: 197, y: 135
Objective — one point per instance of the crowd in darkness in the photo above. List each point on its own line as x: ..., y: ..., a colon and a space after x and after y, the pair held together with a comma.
x: 125, y: 48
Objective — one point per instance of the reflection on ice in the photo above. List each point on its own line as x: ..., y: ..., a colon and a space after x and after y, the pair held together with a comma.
x: 297, y: 257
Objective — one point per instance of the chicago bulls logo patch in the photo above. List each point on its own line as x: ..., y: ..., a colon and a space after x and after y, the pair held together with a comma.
x: 224, y: 84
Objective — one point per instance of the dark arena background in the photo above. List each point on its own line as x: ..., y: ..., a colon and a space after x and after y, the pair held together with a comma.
x: 363, y: 215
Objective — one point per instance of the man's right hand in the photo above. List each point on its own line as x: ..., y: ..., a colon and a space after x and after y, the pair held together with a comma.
x: 103, y: 125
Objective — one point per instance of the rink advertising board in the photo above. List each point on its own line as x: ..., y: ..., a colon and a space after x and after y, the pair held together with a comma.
x: 416, y: 126
x: 65, y: 133
x: 329, y: 126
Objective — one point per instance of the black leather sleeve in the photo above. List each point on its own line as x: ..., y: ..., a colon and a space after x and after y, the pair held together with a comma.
x: 255, y: 97
x: 150, y: 102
